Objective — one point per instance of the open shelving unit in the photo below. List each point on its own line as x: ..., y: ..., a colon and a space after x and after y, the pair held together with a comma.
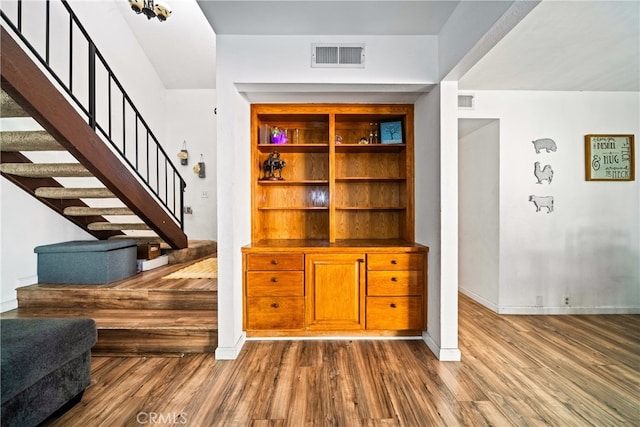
x: 333, y: 187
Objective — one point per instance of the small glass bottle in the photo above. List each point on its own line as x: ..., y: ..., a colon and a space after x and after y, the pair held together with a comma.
x: 370, y: 133
x: 375, y: 134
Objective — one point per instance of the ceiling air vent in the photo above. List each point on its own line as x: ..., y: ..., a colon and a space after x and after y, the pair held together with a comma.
x: 465, y: 102
x: 337, y: 55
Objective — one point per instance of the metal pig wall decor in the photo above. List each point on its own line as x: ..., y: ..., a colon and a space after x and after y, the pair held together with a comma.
x: 546, y: 144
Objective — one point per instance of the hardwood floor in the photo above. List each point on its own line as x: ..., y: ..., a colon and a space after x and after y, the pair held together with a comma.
x: 515, y: 371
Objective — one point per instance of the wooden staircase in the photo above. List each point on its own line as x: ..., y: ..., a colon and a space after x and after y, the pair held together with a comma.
x: 142, y: 315
x: 82, y: 157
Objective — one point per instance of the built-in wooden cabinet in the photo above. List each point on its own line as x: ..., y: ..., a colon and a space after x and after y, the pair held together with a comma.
x: 339, y: 208
x: 335, y: 291
x: 274, y: 291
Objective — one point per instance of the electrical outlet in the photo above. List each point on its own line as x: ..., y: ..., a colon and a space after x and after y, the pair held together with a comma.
x: 566, y: 300
x: 204, y: 195
x: 187, y: 210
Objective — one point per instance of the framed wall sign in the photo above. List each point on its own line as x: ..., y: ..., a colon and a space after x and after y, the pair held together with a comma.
x: 609, y: 157
x: 391, y: 132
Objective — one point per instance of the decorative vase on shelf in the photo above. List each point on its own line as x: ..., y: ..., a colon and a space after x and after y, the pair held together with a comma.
x: 278, y: 136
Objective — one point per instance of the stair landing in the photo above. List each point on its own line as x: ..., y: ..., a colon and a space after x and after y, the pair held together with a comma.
x: 141, y: 315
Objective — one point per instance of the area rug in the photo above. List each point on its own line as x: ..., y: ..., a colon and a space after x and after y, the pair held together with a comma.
x: 205, y: 269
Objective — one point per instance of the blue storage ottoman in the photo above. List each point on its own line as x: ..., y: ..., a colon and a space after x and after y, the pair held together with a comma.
x: 87, y: 262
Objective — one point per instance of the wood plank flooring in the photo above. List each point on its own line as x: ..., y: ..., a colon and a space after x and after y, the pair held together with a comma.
x: 515, y: 371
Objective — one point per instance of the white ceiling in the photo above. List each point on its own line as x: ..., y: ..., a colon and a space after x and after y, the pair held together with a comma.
x: 566, y: 45
x: 328, y: 17
x: 182, y: 49
x: 560, y: 45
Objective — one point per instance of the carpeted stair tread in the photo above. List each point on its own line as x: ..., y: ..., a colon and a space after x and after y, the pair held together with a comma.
x: 87, y: 211
x: 9, y: 108
x: 74, y: 193
x: 28, y: 141
x: 112, y: 226
x: 45, y: 170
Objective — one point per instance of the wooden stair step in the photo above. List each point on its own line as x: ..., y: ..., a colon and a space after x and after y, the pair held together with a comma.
x: 9, y: 107
x: 87, y: 297
x: 122, y: 331
x: 110, y: 226
x: 140, y: 315
x: 196, y: 249
x: 74, y: 193
x: 46, y: 170
x: 28, y: 141
x: 122, y: 342
x: 88, y: 211
x: 117, y: 318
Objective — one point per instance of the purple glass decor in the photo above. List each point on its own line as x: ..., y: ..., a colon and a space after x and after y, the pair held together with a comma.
x: 278, y: 136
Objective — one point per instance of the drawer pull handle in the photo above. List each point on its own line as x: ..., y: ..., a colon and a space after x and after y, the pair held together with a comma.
x: 274, y: 261
x: 275, y: 305
x: 393, y: 305
x: 274, y: 279
x: 394, y: 279
x: 394, y: 262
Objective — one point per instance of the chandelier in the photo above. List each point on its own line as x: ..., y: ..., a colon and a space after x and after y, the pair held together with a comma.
x: 151, y: 9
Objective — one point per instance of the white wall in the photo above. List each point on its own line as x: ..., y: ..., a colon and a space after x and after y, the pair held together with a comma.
x: 117, y: 43
x: 588, y: 248
x: 479, y: 210
x: 428, y: 203
x: 274, y: 59
x: 25, y: 224
x: 190, y: 117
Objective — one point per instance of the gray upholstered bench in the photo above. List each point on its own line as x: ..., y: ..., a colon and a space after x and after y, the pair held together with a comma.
x: 46, y: 365
x: 87, y: 261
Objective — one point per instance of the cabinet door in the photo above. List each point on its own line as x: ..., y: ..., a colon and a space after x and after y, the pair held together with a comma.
x: 335, y: 291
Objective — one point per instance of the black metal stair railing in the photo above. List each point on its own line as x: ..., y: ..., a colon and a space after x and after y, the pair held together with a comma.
x: 96, y: 92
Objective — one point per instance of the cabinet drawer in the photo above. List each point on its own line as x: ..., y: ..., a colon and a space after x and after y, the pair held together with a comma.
x: 395, y: 261
x: 275, y: 261
x: 381, y: 283
x: 275, y: 313
x: 275, y: 283
x: 395, y: 313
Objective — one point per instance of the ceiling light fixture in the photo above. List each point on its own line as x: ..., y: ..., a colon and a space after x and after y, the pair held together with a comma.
x: 151, y: 9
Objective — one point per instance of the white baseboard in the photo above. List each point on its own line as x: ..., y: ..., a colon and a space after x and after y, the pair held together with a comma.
x: 231, y: 353
x: 337, y: 338
x: 568, y: 310
x: 480, y: 300
x: 443, y: 354
x: 532, y: 310
x: 8, y: 305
